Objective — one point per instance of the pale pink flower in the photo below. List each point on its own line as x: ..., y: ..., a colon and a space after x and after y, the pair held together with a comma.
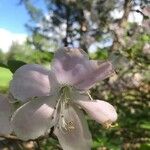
x: 55, y: 99
x: 5, y: 114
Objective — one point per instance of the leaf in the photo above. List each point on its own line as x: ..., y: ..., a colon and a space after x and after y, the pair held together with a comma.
x: 13, y: 65
x: 102, y: 54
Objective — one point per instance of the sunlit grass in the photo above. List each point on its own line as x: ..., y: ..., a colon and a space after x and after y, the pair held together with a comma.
x: 5, y: 77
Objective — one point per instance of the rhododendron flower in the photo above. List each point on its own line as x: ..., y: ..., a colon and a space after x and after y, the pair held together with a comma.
x: 5, y: 114
x: 55, y: 98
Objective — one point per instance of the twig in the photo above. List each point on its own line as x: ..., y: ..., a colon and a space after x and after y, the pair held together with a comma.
x: 10, y: 137
x: 138, y: 11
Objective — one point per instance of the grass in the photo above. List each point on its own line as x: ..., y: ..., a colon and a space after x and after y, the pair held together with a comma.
x: 5, y: 77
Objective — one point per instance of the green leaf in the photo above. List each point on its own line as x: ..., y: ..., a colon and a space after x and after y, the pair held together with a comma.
x: 13, y: 65
x: 5, y: 77
x: 102, y: 54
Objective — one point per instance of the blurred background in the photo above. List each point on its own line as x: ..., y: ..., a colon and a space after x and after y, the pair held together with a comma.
x: 115, y: 30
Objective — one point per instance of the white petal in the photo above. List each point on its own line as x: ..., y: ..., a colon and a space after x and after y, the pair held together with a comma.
x: 70, y: 65
x: 29, y: 81
x: 5, y: 114
x: 97, y: 71
x: 73, y: 67
x: 77, y: 135
x: 34, y: 118
x: 100, y: 111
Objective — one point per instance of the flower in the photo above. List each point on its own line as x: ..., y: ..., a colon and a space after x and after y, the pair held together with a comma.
x: 5, y: 114
x: 55, y: 98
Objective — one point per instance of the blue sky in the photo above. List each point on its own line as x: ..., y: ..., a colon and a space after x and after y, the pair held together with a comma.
x: 13, y: 16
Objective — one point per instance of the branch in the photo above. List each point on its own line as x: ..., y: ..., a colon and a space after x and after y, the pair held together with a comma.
x: 37, y: 141
x: 140, y: 12
x: 10, y: 137
x: 127, y: 8
x: 121, y: 25
x: 65, y: 40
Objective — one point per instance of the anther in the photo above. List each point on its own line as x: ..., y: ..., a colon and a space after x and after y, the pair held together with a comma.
x: 70, y: 126
x: 89, y: 96
x: 108, y: 125
x: 70, y: 123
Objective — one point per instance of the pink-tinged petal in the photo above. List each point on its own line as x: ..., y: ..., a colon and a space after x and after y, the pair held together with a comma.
x: 5, y: 114
x: 97, y: 71
x: 29, y: 81
x: 70, y: 65
x: 76, y: 136
x: 100, y: 111
x: 33, y: 119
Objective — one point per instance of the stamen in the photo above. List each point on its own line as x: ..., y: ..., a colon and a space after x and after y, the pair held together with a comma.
x: 108, y: 124
x: 64, y: 124
x: 56, y: 109
x: 115, y: 125
x: 70, y: 126
x: 89, y: 96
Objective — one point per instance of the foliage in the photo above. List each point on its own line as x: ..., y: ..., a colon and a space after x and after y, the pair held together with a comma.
x: 13, y: 65
x: 2, y: 56
x: 5, y: 77
x: 27, y: 54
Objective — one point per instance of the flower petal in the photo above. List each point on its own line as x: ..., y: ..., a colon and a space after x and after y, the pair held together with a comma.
x: 70, y: 65
x: 76, y: 136
x: 33, y: 119
x: 100, y: 111
x: 5, y: 113
x: 73, y: 67
x: 29, y: 81
x: 97, y: 71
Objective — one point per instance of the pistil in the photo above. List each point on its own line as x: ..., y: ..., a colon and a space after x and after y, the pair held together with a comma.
x: 65, y: 99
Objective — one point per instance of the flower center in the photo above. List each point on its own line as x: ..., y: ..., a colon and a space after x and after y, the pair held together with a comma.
x: 65, y: 122
x: 65, y: 93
